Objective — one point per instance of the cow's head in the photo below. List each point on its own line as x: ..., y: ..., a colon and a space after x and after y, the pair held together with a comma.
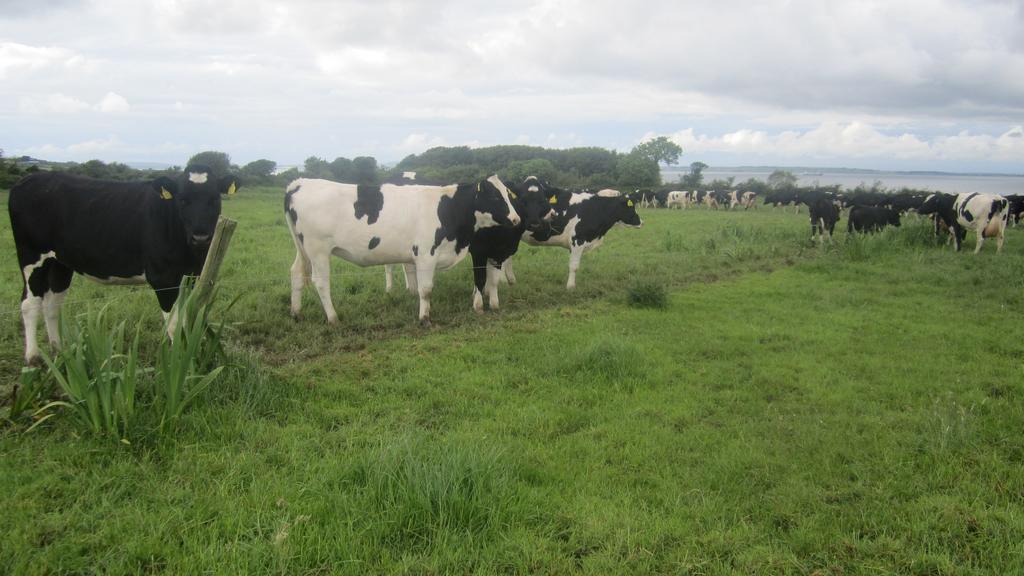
x: 493, y: 201
x: 195, y: 196
x: 625, y: 212
x: 930, y: 204
x: 533, y: 202
x: 894, y: 218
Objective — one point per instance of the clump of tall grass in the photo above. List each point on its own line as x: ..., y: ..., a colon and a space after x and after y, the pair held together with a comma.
x: 647, y: 294
x: 185, y: 360
x: 417, y: 493
x: 33, y: 386
x: 98, y: 371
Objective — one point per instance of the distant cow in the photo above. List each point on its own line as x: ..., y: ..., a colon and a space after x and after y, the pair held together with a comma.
x: 1016, y: 207
x: 425, y: 227
x: 749, y: 200
x: 871, y: 219
x: 580, y: 223
x: 824, y: 215
x: 987, y: 214
x: 145, y: 232
x: 676, y: 199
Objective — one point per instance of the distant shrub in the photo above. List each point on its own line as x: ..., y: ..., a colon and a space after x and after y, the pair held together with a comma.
x: 646, y: 294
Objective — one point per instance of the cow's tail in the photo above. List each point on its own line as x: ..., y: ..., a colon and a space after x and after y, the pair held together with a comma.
x: 301, y: 258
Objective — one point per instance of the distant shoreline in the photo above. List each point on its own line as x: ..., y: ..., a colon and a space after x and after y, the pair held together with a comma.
x: 814, y: 170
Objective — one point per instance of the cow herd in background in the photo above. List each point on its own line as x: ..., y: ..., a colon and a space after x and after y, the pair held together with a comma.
x: 869, y: 211
x: 156, y: 232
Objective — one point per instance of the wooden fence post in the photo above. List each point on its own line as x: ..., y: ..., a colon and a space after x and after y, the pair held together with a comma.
x: 218, y: 250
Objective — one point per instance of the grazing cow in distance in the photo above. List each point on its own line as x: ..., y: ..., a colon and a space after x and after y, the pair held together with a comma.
x: 676, y: 199
x: 152, y: 232
x: 871, y: 219
x: 711, y: 199
x: 425, y: 227
x: 1016, y: 207
x: 580, y: 223
x: 987, y: 214
x: 824, y: 215
x: 749, y: 200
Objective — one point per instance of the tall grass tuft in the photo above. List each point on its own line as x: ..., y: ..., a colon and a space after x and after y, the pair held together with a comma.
x: 647, y: 294
x: 98, y: 372
x: 32, y: 387
x: 418, y: 493
x: 185, y: 361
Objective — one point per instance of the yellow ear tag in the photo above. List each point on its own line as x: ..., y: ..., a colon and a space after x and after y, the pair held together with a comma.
x: 553, y: 200
x: 231, y: 189
x: 165, y: 194
x: 629, y: 202
x: 511, y: 194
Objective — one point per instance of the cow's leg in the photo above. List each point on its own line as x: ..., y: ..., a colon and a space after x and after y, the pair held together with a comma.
x: 388, y: 280
x: 479, y: 282
x: 425, y: 285
x: 981, y: 237
x: 167, y: 295
x: 575, y: 253
x: 60, y: 280
x: 509, y: 275
x: 493, y: 275
x: 35, y: 269
x: 409, y: 271
x: 321, y: 277
x: 299, y: 274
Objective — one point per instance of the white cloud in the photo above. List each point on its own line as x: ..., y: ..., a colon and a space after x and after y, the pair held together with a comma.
x: 833, y: 140
x: 414, y: 143
x: 113, y: 103
x: 16, y: 59
x: 52, y: 104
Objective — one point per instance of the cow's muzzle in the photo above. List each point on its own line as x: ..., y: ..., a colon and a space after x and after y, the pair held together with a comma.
x: 201, y: 239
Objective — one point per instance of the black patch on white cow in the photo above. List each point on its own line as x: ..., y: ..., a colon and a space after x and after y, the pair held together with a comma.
x: 373, y: 243
x: 288, y: 208
x: 369, y: 201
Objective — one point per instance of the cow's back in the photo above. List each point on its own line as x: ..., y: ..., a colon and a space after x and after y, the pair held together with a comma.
x: 367, y: 225
x: 93, y: 226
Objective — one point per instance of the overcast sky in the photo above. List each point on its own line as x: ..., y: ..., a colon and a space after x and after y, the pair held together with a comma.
x: 875, y: 84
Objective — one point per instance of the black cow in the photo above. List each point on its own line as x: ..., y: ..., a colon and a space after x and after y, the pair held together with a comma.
x: 824, y: 214
x: 940, y: 207
x: 153, y: 231
x: 491, y: 247
x: 1016, y: 207
x: 871, y: 219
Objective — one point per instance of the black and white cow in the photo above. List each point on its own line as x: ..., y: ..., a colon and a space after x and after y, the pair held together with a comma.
x: 871, y: 219
x: 492, y: 247
x: 677, y: 199
x: 749, y: 200
x: 425, y: 227
x: 580, y: 223
x: 987, y: 214
x: 143, y: 232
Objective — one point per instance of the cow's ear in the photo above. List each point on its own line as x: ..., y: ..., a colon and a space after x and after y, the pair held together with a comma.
x: 165, y: 187
x: 229, y: 185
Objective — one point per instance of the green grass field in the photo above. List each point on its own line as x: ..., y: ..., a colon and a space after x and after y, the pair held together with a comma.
x: 852, y: 409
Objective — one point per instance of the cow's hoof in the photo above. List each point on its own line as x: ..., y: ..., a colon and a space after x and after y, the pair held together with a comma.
x: 425, y: 322
x: 332, y: 321
x: 479, y: 311
x: 34, y: 362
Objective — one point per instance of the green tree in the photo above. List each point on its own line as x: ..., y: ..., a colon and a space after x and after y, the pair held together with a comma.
x: 218, y: 162
x: 695, y: 177
x: 341, y: 169
x: 638, y: 171
x: 259, y: 169
x: 661, y: 150
x: 364, y: 169
x: 782, y: 179
x: 517, y: 171
x: 315, y: 167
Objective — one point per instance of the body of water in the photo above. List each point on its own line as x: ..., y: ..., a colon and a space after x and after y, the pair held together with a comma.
x: 952, y: 183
